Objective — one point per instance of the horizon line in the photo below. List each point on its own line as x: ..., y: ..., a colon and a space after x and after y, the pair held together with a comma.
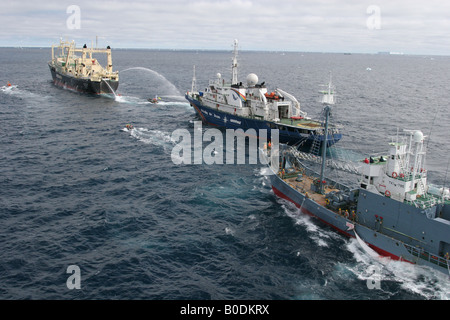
x: 390, y: 53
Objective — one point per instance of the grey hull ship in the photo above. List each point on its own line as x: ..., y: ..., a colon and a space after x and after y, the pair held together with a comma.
x: 392, y: 210
x: 82, y: 72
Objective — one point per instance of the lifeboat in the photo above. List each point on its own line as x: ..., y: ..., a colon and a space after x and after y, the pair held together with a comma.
x: 272, y: 95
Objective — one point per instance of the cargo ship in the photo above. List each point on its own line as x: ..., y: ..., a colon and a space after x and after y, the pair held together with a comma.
x: 76, y: 69
x: 236, y: 105
x: 391, y: 209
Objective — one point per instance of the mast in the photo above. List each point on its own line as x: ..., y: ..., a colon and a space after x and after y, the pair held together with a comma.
x: 327, y: 110
x: 68, y: 54
x: 327, y: 100
x: 234, y: 71
x: 194, y: 82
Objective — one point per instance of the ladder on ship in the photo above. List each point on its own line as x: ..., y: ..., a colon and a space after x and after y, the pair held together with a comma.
x: 315, y: 146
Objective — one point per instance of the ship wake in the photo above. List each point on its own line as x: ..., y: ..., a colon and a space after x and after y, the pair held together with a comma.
x: 152, y: 137
x: 320, y: 236
x: 383, y: 274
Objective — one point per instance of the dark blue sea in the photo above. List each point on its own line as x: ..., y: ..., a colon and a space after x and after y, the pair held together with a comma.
x: 78, y: 189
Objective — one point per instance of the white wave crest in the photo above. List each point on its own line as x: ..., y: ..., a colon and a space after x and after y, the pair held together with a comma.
x: 319, y: 235
x: 421, y: 280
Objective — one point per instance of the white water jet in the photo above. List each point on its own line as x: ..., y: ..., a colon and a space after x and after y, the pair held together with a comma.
x: 172, y: 86
x: 111, y: 89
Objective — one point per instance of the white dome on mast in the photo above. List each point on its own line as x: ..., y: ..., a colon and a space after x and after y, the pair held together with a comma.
x: 252, y: 80
x: 418, y: 136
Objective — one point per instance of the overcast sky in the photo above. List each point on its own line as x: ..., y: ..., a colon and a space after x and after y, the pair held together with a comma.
x: 411, y: 27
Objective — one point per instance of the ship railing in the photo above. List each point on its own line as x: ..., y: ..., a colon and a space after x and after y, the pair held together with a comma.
x: 425, y: 201
x: 425, y: 255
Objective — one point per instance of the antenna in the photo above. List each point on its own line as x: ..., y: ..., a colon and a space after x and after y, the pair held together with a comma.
x: 431, y: 128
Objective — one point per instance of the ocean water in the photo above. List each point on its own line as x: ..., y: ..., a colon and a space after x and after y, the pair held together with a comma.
x: 77, y: 188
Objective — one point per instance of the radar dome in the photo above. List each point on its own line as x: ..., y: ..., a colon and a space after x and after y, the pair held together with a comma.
x: 418, y: 136
x: 218, y: 75
x: 252, y: 79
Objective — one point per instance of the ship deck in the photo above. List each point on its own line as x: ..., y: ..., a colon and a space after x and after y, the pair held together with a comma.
x: 304, y: 186
x: 303, y: 123
x: 427, y: 201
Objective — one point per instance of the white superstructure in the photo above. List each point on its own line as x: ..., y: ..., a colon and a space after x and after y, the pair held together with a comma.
x: 401, y: 174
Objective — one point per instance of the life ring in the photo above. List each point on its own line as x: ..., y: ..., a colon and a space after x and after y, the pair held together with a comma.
x: 387, y: 193
x: 394, y: 174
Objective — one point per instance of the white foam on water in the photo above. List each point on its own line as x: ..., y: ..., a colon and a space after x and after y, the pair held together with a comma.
x: 15, y: 90
x: 132, y: 100
x: 262, y: 183
x: 229, y: 231
x: 129, y: 100
x: 152, y: 137
x: 173, y: 103
x: 9, y: 89
x: 319, y: 235
x: 265, y: 171
x: 421, y: 280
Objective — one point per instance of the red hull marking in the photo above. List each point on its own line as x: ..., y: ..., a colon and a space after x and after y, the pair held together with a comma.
x: 303, y: 210
x: 66, y: 86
